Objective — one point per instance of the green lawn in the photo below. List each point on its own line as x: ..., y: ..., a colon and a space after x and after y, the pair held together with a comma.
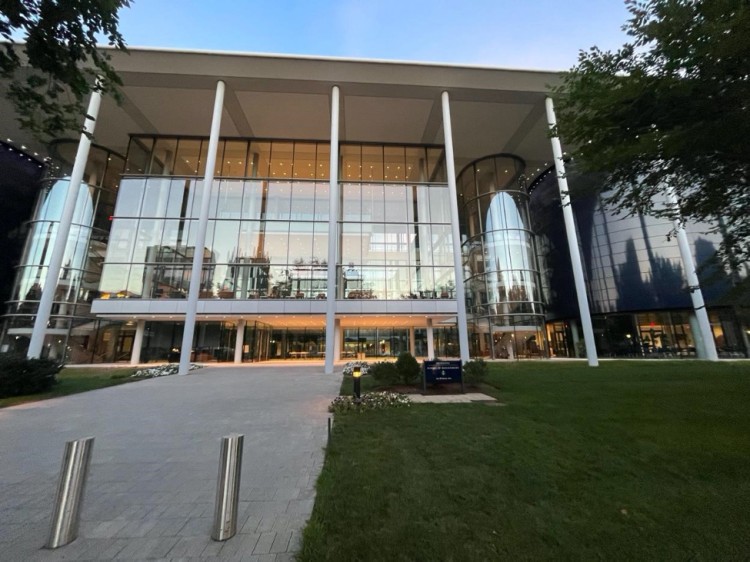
x: 73, y: 380
x: 633, y: 460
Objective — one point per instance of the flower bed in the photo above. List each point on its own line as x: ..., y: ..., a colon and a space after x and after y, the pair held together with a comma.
x: 349, y: 367
x: 162, y: 370
x: 369, y: 401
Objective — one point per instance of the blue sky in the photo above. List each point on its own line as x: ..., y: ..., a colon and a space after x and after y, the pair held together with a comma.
x: 540, y: 34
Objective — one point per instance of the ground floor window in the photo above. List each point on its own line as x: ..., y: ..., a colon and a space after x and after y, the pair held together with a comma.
x: 657, y: 334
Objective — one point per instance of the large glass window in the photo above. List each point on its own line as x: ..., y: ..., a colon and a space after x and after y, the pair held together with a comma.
x: 502, y: 284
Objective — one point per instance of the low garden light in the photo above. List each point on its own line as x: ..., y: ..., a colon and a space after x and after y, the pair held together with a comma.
x: 357, y: 374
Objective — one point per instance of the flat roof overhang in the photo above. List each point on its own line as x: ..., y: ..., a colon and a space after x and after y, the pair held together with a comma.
x: 170, y: 92
x: 284, y: 312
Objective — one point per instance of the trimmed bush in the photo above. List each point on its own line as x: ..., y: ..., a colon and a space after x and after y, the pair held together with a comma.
x: 384, y: 372
x: 19, y: 376
x: 408, y: 368
x: 475, y: 371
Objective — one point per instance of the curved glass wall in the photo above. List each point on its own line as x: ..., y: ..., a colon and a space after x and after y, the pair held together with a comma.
x: 71, y: 331
x: 503, y: 297
x: 636, y: 286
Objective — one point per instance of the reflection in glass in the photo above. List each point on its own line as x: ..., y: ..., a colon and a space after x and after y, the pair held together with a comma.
x: 503, y: 301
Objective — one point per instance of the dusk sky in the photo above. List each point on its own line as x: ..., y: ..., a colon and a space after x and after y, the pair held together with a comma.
x: 538, y: 34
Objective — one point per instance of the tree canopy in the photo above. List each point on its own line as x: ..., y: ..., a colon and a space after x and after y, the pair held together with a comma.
x: 670, y: 108
x: 55, y: 67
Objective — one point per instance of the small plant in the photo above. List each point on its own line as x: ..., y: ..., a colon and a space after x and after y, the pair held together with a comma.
x: 369, y: 401
x: 385, y: 372
x: 475, y: 372
x: 408, y: 368
x: 162, y: 370
x: 19, y: 375
x: 349, y: 367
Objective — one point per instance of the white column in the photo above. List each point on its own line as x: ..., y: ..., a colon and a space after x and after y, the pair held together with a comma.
x: 461, y: 321
x: 63, y: 228
x: 570, y: 230
x: 135, y: 356
x: 337, y: 340
x: 333, y: 210
x: 412, y: 342
x: 430, y: 340
x: 239, y: 341
x: 200, y: 238
x: 696, y: 295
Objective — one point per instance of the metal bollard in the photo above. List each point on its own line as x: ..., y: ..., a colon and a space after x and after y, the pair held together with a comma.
x: 70, y: 488
x: 228, y: 488
x: 329, y: 429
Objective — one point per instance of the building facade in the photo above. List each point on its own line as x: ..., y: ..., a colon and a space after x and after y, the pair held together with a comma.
x: 354, y: 209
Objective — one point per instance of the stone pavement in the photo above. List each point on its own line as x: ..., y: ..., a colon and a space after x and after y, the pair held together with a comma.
x: 152, y: 484
x: 451, y: 398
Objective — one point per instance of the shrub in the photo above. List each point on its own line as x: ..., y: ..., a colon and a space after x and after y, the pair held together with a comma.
x: 384, y: 372
x: 370, y: 401
x: 475, y: 371
x: 19, y: 375
x: 408, y: 368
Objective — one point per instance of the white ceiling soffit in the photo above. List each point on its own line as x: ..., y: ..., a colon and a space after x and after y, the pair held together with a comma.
x: 481, y: 129
x: 377, y: 119
x: 285, y: 115
x: 178, y: 111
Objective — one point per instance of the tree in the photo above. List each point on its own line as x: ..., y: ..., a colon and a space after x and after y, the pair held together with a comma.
x: 671, y: 108
x: 62, y: 57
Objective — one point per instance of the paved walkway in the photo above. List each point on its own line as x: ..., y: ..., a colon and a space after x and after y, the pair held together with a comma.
x: 152, y: 484
x: 451, y: 398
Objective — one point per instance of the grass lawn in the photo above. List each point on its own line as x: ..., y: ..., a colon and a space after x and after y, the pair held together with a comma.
x: 73, y: 380
x: 632, y: 460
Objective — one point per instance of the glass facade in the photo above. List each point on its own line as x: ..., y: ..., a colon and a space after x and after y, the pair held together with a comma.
x: 640, y: 304
x: 503, y: 296
x: 268, y: 230
x: 395, y: 234
x: 72, y: 331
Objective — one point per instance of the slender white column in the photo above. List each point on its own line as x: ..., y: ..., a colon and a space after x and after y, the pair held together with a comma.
x: 430, y: 340
x: 462, y: 322
x: 570, y: 230
x: 333, y: 210
x: 239, y: 342
x: 337, y: 340
x: 63, y: 228
x: 412, y: 342
x: 135, y: 356
x: 696, y: 295
x: 200, y: 238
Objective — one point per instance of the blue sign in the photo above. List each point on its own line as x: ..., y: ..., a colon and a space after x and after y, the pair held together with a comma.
x: 442, y: 371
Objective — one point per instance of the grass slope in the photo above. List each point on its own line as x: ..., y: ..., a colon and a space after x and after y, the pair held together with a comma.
x: 633, y: 460
x: 72, y: 380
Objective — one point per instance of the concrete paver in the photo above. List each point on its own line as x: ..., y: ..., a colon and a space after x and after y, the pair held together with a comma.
x: 152, y: 484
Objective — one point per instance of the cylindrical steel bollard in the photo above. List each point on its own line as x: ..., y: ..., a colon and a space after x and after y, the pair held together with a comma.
x: 329, y: 428
x: 228, y: 488
x: 70, y: 488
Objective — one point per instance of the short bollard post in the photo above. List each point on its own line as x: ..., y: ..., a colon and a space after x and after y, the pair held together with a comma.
x: 70, y: 488
x: 228, y: 488
x: 329, y: 428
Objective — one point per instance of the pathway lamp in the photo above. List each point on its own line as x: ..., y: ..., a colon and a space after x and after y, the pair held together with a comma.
x: 357, y: 374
